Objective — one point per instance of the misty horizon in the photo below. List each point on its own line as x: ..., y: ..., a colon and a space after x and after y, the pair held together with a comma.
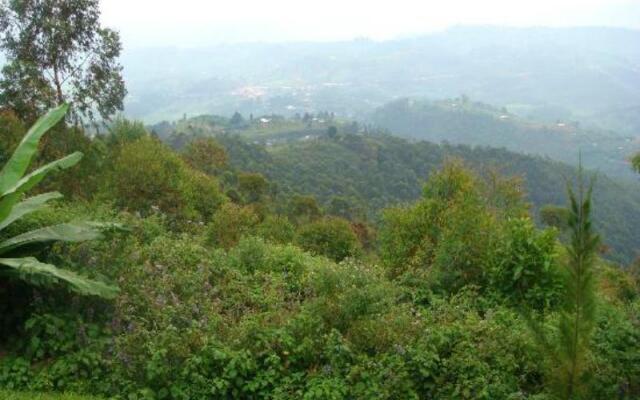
x: 200, y: 24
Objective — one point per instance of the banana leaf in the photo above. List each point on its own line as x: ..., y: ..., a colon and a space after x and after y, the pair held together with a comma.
x: 29, y: 267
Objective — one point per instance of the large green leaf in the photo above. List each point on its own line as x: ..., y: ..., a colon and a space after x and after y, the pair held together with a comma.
x: 29, y: 268
x: 69, y: 232
x: 33, y: 178
x: 11, y: 196
x: 28, y: 206
x: 17, y: 165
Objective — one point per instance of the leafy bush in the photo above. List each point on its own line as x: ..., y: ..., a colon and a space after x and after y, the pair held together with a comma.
x: 276, y: 229
x: 229, y: 224
x: 246, y: 303
x: 147, y: 176
x: 331, y: 237
x: 205, y: 155
x: 525, y: 271
x: 451, y: 233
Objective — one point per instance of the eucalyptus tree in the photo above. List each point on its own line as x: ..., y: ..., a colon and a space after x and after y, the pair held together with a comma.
x: 57, y: 52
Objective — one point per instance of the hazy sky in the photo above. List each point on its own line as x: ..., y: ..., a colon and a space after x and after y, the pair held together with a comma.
x: 201, y: 22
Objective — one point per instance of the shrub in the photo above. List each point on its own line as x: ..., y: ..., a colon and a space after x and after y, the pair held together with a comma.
x: 330, y: 237
x: 205, y: 155
x: 202, y: 193
x: 229, y: 224
x: 253, y: 187
x: 525, y: 271
x: 276, y: 229
x: 147, y: 175
x: 450, y: 235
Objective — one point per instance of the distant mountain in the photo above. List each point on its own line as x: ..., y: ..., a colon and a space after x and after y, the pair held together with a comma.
x: 463, y: 121
x: 585, y: 74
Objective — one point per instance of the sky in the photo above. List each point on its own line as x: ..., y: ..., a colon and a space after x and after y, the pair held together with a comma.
x: 191, y: 23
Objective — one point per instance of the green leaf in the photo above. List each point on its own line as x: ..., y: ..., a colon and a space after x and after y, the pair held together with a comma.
x: 12, y: 195
x: 29, y: 267
x: 17, y: 165
x: 69, y: 232
x: 29, y: 181
x: 28, y: 206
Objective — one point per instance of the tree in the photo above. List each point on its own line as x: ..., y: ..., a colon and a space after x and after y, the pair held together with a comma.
x: 13, y: 184
x: 206, y: 155
x: 237, y: 120
x: 304, y: 209
x: 253, y: 186
x: 635, y: 162
x: 570, y: 350
x: 123, y: 131
x: 449, y: 233
x: 345, y: 207
x: 229, y: 224
x: 12, y: 129
x: 57, y: 52
x: 577, y: 318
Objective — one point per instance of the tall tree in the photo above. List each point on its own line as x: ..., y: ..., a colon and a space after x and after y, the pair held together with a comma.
x: 57, y: 52
x: 569, y: 350
x: 577, y: 318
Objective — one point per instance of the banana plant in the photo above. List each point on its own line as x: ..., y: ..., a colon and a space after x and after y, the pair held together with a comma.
x: 14, y: 183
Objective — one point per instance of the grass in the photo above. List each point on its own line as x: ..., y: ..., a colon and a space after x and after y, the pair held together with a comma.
x: 9, y: 395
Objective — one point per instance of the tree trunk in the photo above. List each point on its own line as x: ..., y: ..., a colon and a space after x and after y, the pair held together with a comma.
x: 56, y: 81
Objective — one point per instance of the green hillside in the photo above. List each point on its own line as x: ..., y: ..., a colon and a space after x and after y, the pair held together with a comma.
x: 375, y: 171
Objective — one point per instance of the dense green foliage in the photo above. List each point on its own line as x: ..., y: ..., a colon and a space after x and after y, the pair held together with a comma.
x: 40, y: 396
x: 223, y: 301
x: 376, y: 171
x: 147, y: 175
x: 569, y: 348
x: 331, y: 237
x: 464, y: 232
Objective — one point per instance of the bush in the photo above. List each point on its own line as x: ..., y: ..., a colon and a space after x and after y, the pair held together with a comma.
x: 276, y: 229
x: 330, y: 237
x: 525, y: 271
x: 148, y: 176
x: 205, y: 155
x: 449, y: 237
x: 229, y: 224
